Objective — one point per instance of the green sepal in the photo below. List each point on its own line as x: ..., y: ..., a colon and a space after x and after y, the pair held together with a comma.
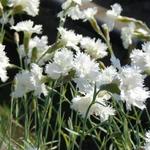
x: 26, y: 40
x: 34, y: 54
x: 113, y: 88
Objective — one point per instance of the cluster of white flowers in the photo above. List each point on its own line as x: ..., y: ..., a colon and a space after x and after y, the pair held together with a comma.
x: 78, y: 57
x: 129, y: 79
x: 98, y: 106
x: 31, y: 7
x: 93, y: 47
x: 87, y: 73
x: 27, y: 81
x: 113, y: 14
x: 4, y: 63
x: 140, y: 58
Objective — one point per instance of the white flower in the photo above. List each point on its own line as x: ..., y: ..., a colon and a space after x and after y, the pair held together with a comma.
x: 113, y: 14
x: 27, y: 26
x: 86, y: 71
x: 68, y: 37
x: 4, y: 63
x: 136, y: 97
x: 23, y: 84
x: 147, y: 139
x: 93, y: 47
x: 53, y: 70
x: 140, y: 58
x: 131, y: 84
x: 89, y: 13
x: 29, y: 6
x: 126, y: 35
x: 27, y: 81
x: 115, y: 62
x: 63, y: 63
x: 98, y: 108
x: 68, y: 3
x: 36, y: 79
x: 75, y: 13
x: 40, y: 44
x: 84, y: 86
x: 107, y: 76
x: 115, y: 11
x: 146, y: 47
x: 85, y: 67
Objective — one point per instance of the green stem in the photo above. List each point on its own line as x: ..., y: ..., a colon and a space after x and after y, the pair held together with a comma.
x: 26, y: 117
x: 106, y: 37
x: 53, y: 48
x: 86, y: 117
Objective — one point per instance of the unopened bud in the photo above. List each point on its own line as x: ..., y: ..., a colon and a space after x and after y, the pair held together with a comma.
x: 1, y: 8
x: 34, y: 54
x: 105, y: 27
x: 16, y: 37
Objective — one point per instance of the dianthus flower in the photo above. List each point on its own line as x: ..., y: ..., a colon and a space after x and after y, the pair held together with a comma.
x: 62, y: 64
x: 4, y: 63
x: 31, y: 7
x: 127, y: 34
x: 40, y: 45
x: 113, y: 14
x: 27, y: 81
x: 86, y: 67
x: 140, y: 58
x: 68, y: 37
x: 94, y: 48
x: 27, y: 26
x: 99, y: 107
x: 131, y: 84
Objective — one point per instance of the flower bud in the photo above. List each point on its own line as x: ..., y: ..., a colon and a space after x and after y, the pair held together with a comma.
x: 16, y: 37
x: 1, y: 9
